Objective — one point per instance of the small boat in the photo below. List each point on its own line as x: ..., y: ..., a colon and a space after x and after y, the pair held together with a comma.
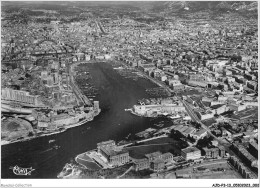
x: 175, y: 117
x: 118, y: 68
x: 86, y: 130
x: 56, y: 147
x: 159, y: 125
x: 128, y: 136
x: 46, y: 150
x: 51, y: 141
x: 165, y: 114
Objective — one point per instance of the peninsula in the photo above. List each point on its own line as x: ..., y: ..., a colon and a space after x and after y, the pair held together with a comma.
x: 54, y: 103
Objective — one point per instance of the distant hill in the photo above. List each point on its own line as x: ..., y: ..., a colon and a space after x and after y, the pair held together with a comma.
x: 152, y: 6
x: 177, y: 6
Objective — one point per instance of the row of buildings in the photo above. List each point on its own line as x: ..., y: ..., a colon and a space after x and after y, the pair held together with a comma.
x: 154, y: 110
x: 10, y: 95
x: 156, y: 161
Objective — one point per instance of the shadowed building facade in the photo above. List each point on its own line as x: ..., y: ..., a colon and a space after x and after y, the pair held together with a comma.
x: 114, y: 156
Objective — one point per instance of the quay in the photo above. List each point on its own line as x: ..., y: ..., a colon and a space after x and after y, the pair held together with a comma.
x: 157, y: 82
x: 75, y: 87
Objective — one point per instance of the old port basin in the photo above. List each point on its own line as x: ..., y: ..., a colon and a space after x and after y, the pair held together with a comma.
x: 165, y: 91
x: 181, y: 142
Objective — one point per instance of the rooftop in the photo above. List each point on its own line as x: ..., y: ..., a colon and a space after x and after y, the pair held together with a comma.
x: 106, y: 142
x: 154, y: 154
x: 112, y: 151
x: 190, y: 150
x: 158, y: 161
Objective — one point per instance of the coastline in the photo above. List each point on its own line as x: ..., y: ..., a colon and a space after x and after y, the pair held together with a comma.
x: 63, y: 174
x: 132, y: 112
x: 65, y: 128
x: 4, y: 142
x: 139, y: 115
x: 144, y: 75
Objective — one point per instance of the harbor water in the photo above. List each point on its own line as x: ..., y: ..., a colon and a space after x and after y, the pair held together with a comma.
x: 48, y: 155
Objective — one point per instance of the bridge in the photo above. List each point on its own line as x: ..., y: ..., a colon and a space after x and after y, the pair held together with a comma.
x: 50, y: 53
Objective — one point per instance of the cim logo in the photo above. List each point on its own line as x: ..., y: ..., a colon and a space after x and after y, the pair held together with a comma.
x: 22, y: 171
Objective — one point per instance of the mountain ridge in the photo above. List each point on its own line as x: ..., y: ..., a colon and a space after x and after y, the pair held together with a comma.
x: 177, y: 6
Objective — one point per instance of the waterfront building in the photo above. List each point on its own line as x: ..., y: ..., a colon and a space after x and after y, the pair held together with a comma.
x: 107, y: 56
x: 65, y: 119
x: 41, y: 125
x: 146, y: 67
x: 146, y: 133
x: 105, y: 144
x: 114, y: 155
x: 87, y: 57
x: 144, y: 110
x: 191, y: 153
x: 96, y: 106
